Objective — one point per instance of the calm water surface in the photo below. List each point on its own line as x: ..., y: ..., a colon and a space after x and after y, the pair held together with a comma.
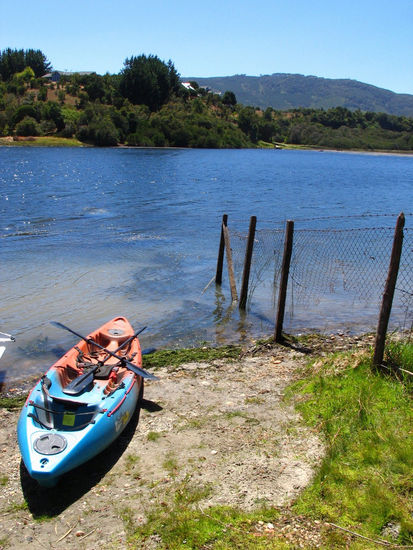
x: 88, y: 234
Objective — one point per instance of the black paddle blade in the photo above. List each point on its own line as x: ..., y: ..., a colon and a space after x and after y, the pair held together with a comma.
x: 140, y: 371
x: 80, y: 383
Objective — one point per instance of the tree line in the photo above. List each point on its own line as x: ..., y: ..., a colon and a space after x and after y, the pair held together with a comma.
x: 147, y: 105
x: 338, y: 128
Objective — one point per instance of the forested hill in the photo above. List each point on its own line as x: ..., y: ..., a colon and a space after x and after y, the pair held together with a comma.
x: 290, y: 91
x: 146, y: 105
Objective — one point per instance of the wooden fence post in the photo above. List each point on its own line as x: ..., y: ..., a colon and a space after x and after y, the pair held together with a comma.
x: 220, y: 262
x: 247, y: 263
x: 230, y: 264
x: 388, y: 293
x: 288, y: 248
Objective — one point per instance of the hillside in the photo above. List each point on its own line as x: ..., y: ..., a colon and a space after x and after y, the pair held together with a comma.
x: 290, y: 91
x: 146, y: 105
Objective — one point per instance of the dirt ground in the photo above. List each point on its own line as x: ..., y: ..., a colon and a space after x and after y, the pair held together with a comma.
x: 222, y: 425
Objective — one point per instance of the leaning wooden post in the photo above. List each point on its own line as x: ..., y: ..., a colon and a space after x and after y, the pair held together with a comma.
x: 388, y: 293
x: 230, y: 264
x: 285, y: 269
x: 220, y: 262
x: 247, y: 263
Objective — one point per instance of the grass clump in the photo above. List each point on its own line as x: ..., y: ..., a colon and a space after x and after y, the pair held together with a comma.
x: 132, y: 460
x: 399, y: 358
x: 12, y: 403
x: 43, y: 141
x: 175, y: 358
x: 366, y: 419
x: 153, y: 436
x: 171, y: 464
x: 3, y: 480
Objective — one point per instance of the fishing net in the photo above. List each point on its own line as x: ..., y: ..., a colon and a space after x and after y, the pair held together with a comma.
x: 343, y: 268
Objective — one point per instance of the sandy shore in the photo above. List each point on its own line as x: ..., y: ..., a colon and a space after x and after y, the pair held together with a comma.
x: 222, y: 424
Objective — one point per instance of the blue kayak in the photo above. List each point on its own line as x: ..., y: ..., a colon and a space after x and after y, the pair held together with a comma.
x: 82, y: 403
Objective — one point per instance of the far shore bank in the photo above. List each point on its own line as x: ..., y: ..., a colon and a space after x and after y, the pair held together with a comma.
x: 47, y: 141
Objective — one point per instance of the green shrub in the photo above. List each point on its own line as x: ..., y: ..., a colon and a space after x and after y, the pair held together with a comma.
x: 27, y: 127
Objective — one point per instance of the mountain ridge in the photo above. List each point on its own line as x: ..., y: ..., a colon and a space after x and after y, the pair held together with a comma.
x: 284, y: 91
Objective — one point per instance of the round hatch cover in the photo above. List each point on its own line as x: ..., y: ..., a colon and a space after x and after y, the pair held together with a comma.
x: 116, y: 332
x: 50, y: 444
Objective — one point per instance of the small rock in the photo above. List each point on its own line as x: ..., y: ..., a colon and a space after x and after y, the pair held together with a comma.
x: 80, y: 533
x: 391, y: 530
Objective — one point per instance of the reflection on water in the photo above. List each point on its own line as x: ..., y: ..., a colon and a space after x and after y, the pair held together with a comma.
x: 89, y: 234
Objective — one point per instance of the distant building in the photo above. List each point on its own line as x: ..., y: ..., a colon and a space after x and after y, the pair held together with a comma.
x: 188, y: 86
x: 55, y: 76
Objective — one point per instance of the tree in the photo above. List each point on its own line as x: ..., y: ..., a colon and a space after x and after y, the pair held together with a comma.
x: 11, y: 61
x: 52, y: 111
x: 248, y: 122
x: 38, y: 62
x: 94, y: 86
x: 15, y: 61
x: 25, y: 111
x: 148, y: 81
x: 100, y: 131
x: 27, y: 127
x: 105, y: 132
x: 25, y: 76
x: 229, y: 98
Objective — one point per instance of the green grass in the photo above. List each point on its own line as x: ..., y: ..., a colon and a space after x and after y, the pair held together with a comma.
x: 171, y: 464
x: 153, y: 436
x: 366, y: 419
x: 175, y: 358
x: 44, y: 141
x: 3, y: 480
x: 240, y: 414
x: 131, y: 460
x: 12, y: 403
x: 254, y: 400
x: 399, y: 357
x: 265, y: 144
x: 17, y: 507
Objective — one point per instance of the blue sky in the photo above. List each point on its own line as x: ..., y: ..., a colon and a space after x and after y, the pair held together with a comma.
x: 366, y: 40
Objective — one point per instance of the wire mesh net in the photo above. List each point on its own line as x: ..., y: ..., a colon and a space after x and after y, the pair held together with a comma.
x: 334, y: 273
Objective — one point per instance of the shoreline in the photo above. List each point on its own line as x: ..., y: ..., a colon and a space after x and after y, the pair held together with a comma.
x: 45, y: 141
x: 312, y: 343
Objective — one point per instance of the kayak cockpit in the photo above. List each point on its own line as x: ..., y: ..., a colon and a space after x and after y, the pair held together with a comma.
x: 58, y: 412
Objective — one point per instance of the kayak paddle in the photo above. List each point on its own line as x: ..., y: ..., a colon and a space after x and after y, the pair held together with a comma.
x: 137, y: 370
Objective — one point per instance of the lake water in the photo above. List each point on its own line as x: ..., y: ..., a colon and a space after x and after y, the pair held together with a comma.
x: 89, y: 234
